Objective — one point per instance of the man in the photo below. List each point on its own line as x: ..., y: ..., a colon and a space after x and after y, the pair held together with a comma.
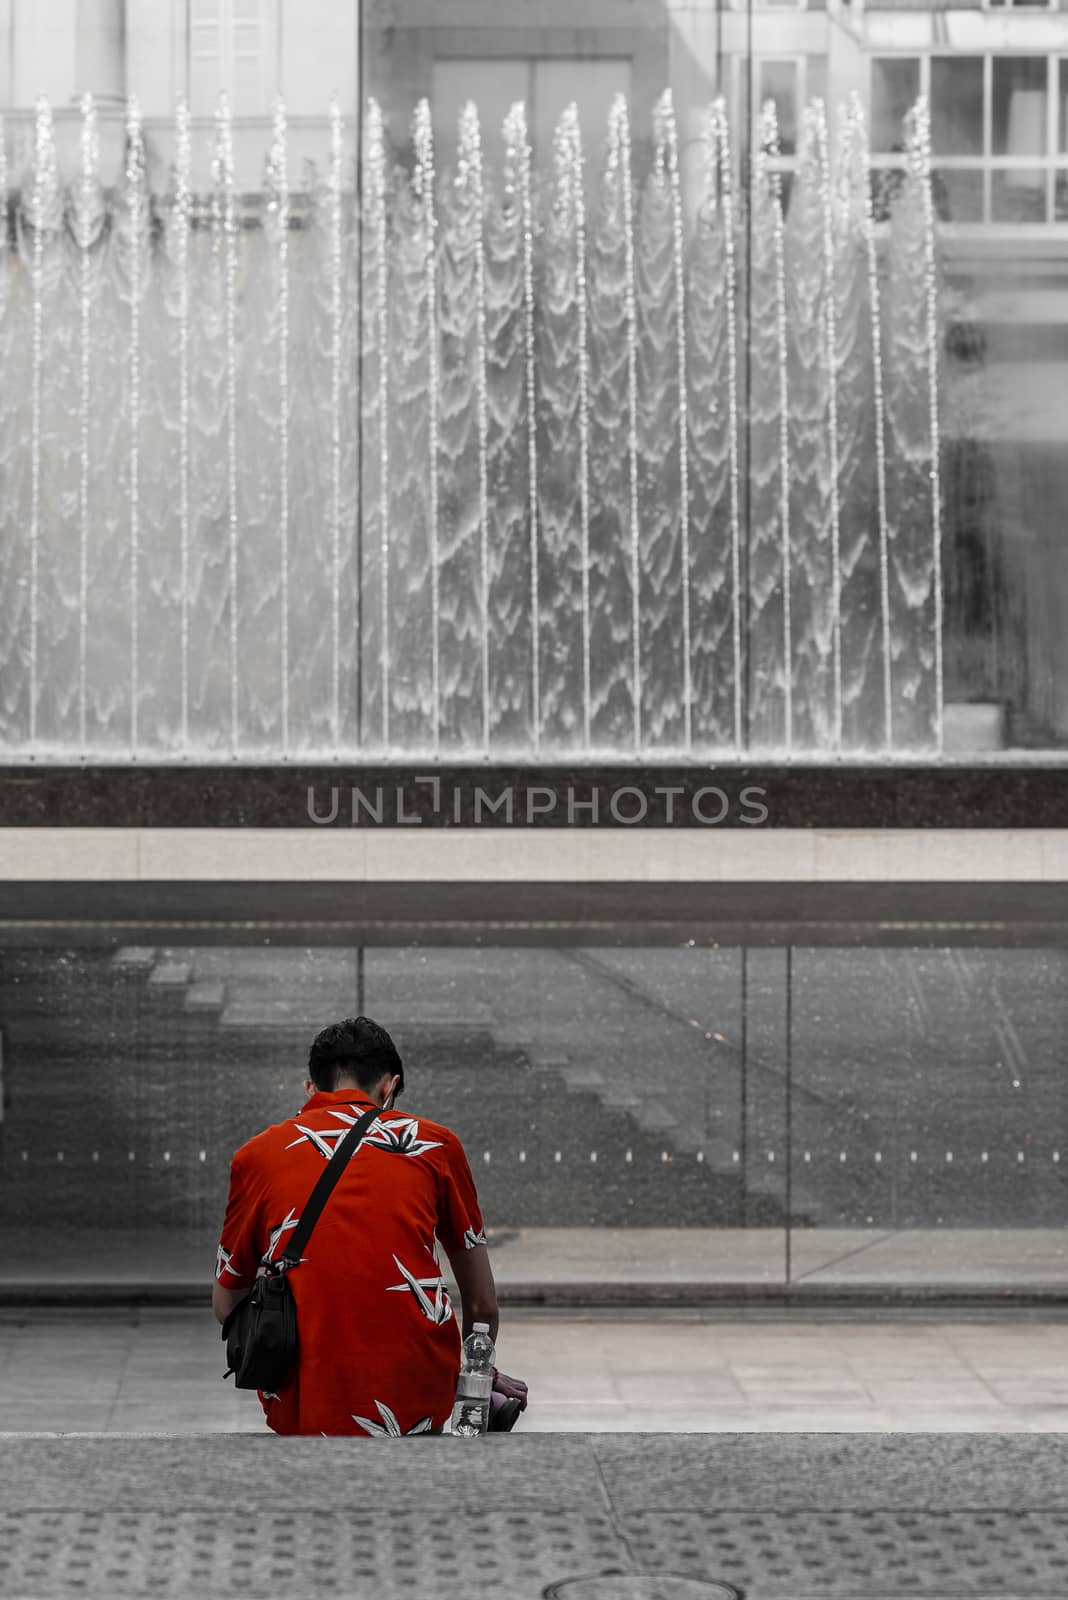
x: 379, y: 1343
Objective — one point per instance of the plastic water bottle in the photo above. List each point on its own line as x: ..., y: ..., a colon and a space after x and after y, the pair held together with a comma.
x: 470, y: 1414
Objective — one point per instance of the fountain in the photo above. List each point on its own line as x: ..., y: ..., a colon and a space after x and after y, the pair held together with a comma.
x: 510, y: 460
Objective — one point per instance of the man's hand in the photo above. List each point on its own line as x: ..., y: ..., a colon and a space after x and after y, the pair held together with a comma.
x: 510, y: 1388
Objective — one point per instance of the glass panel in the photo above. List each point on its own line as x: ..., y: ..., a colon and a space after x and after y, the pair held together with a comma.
x: 590, y: 85
x: 1060, y: 196
x: 895, y: 88
x: 1020, y: 106
x: 1018, y: 195
x: 904, y: 1106
x: 929, y: 1119
x: 597, y: 1090
x: 957, y: 194
x: 1062, y: 106
x: 778, y: 82
x: 957, y: 105
x: 494, y: 87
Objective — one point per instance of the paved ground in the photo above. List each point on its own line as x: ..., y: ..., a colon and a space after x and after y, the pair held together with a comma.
x: 591, y: 1266
x: 158, y: 1370
x: 776, y: 1517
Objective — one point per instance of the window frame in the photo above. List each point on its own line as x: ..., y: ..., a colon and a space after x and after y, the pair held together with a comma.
x: 1052, y: 163
x: 746, y: 75
x: 1020, y: 5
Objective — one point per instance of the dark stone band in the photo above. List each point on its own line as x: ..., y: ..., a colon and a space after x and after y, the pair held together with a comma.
x: 793, y: 796
x: 466, y: 914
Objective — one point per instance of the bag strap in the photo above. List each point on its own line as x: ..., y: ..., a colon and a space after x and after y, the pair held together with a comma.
x: 324, y: 1187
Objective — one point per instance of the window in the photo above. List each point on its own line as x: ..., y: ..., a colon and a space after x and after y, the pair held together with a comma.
x: 957, y: 105
x: 780, y: 82
x: 231, y: 49
x: 999, y: 133
x: 895, y: 88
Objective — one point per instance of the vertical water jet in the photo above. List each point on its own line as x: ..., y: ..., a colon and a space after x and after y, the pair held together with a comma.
x: 226, y: 207
x: 181, y: 219
x: 137, y: 212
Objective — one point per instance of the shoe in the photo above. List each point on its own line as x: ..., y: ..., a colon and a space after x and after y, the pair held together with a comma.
x: 503, y: 1417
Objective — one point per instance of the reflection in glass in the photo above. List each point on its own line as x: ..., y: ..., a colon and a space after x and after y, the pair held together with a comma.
x: 1019, y: 109
x: 957, y: 105
x: 1018, y: 194
x: 958, y: 194
x: 702, y: 1091
x: 1060, y: 195
x: 895, y: 88
x: 779, y: 84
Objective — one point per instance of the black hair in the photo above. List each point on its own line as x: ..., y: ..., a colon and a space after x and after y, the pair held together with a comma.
x: 355, y: 1048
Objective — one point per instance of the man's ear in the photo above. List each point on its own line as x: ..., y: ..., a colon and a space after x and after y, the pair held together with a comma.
x: 309, y: 1087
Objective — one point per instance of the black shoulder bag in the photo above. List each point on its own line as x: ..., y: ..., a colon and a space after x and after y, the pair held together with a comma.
x: 261, y: 1331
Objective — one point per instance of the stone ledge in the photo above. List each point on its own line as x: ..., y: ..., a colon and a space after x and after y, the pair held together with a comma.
x: 1007, y: 793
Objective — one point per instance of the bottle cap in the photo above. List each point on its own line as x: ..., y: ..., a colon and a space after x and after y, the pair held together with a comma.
x: 480, y: 1327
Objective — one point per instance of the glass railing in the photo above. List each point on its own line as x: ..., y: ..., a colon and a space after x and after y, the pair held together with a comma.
x: 669, y: 1120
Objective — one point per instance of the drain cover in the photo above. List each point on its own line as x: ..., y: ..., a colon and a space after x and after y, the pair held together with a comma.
x: 616, y: 1586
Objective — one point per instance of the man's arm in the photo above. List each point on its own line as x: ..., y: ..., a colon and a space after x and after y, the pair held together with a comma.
x: 478, y: 1292
x: 224, y: 1300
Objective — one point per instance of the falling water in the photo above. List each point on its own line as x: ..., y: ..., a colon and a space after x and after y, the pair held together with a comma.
x: 831, y: 357
x: 470, y: 173
x: 382, y: 314
x: 375, y: 487
x: 855, y: 179
x: 44, y: 218
x: 278, y: 205
x: 335, y: 187
x: 225, y: 200
x: 87, y: 220
x: 909, y: 307
x: 181, y: 217
x: 726, y: 201
x: 378, y: 247
x: 571, y: 211
x: 667, y: 135
x: 920, y: 156
x: 551, y: 495
x: 462, y: 443
x: 517, y: 161
x: 137, y: 207
x: 423, y: 188
x: 768, y: 180
x: 619, y: 171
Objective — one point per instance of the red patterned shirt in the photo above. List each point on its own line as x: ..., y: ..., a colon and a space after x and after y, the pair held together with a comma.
x: 379, y: 1340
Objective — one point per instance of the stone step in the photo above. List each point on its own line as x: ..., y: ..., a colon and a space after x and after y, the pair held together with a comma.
x: 205, y: 997
x: 655, y: 1118
x: 170, y: 975
x: 134, y: 958
x: 580, y: 1077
